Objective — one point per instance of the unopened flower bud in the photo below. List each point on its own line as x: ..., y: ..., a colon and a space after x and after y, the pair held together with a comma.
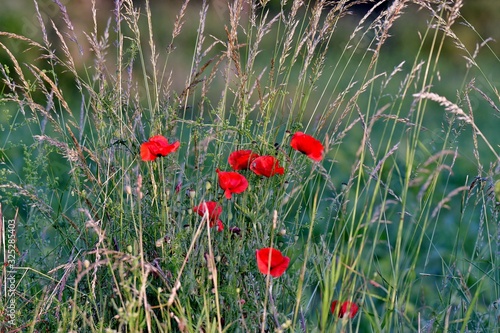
x: 139, y: 181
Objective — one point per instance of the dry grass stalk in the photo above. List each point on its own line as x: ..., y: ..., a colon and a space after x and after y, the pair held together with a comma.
x: 456, y: 110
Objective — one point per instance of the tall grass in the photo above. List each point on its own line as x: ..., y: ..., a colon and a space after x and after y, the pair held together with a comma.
x: 388, y: 219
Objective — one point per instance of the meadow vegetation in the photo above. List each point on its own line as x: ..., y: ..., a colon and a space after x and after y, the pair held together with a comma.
x: 115, y: 165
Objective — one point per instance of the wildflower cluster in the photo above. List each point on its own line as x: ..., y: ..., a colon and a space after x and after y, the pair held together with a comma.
x: 270, y: 261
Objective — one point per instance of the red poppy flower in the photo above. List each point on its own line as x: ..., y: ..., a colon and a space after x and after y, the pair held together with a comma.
x: 214, y: 210
x: 231, y: 182
x: 241, y: 159
x: 220, y: 226
x: 266, y: 166
x: 271, y: 261
x: 308, y: 145
x: 157, y: 146
x: 346, y: 309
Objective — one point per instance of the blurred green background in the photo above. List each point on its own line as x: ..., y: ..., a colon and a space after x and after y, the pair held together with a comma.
x: 19, y: 17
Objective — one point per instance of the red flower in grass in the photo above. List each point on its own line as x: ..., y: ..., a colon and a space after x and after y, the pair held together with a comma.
x: 231, y: 182
x: 308, y: 145
x: 157, y: 146
x: 346, y: 309
x: 266, y: 166
x: 241, y: 159
x: 271, y: 261
x: 214, y: 210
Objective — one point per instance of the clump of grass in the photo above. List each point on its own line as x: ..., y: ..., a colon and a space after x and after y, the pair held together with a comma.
x: 388, y: 219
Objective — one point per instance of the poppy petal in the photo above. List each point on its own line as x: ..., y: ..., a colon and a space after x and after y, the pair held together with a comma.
x: 266, y: 166
x: 146, y: 154
x: 271, y: 261
x: 347, y: 308
x: 220, y: 226
x: 214, y: 211
x: 241, y: 159
x: 307, y: 145
x: 157, y: 146
x: 231, y: 182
